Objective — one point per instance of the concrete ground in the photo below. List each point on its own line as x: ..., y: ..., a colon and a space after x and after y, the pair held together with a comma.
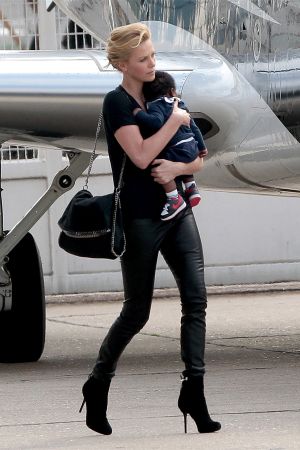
x: 252, y: 380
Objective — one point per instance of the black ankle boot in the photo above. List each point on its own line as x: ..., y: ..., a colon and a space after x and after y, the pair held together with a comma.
x: 192, y: 401
x: 95, y: 393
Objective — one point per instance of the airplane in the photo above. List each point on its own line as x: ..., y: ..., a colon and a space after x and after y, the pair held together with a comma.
x: 236, y: 63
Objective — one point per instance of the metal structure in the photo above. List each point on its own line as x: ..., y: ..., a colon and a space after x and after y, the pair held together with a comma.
x: 23, y: 23
x: 19, y: 24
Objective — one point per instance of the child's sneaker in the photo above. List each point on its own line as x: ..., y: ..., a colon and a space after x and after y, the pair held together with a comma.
x: 193, y: 195
x: 172, y: 207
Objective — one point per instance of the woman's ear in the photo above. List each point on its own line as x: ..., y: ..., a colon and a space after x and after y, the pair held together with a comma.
x: 122, y: 66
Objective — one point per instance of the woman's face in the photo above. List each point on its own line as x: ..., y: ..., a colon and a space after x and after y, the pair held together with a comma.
x: 140, y: 66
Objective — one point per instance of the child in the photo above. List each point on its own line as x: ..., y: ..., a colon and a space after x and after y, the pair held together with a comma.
x: 185, y: 146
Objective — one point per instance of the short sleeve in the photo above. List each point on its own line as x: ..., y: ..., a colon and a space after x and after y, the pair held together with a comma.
x: 118, y: 110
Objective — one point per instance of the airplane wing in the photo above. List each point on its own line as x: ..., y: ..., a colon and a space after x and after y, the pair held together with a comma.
x: 249, y: 147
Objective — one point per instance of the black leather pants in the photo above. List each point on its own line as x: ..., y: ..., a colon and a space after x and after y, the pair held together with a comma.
x: 180, y: 244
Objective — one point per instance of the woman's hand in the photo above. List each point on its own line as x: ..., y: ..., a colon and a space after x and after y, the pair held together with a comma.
x: 182, y: 114
x: 164, y: 171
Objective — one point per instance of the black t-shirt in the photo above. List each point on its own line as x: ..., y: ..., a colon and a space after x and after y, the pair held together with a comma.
x: 141, y: 196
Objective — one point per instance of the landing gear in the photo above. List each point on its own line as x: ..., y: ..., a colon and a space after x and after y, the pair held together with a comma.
x: 22, y: 298
x: 22, y: 329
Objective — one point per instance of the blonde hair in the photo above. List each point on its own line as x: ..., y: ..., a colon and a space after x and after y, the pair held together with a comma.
x: 123, y: 40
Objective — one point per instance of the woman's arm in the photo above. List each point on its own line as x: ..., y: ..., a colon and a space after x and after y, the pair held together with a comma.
x: 143, y: 151
x: 164, y: 171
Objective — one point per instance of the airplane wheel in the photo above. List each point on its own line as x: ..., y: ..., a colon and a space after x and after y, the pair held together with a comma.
x: 22, y: 330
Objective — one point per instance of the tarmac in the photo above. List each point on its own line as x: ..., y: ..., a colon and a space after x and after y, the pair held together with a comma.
x: 252, y: 380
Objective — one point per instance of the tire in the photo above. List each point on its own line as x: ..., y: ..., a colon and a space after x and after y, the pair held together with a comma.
x: 22, y: 330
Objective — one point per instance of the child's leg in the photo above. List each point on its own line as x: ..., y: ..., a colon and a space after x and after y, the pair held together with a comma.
x: 171, y: 188
x: 191, y: 190
x: 174, y: 203
x: 188, y: 179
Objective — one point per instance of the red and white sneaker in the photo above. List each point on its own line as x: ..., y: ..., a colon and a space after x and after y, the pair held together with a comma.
x: 172, y: 207
x: 193, y: 195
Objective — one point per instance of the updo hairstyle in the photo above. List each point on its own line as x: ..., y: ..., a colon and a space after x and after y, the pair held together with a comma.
x: 123, y: 40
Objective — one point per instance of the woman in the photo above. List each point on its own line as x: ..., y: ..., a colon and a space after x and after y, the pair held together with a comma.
x: 130, y: 51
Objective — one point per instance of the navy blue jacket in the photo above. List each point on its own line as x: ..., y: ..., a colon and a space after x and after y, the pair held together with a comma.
x: 158, y: 112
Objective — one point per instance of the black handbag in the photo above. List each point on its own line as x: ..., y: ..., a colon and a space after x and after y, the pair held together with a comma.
x: 91, y: 226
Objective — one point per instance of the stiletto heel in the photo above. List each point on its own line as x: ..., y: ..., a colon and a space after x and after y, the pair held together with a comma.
x: 185, y: 422
x: 192, y: 401
x: 95, y: 393
x: 82, y: 405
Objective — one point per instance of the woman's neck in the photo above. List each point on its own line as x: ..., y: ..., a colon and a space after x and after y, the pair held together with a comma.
x: 135, y: 89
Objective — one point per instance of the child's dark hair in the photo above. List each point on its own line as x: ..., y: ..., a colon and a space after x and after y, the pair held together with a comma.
x: 162, y: 84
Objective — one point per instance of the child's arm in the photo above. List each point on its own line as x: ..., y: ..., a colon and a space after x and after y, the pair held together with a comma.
x: 153, y: 120
x: 199, y: 138
x: 197, y: 133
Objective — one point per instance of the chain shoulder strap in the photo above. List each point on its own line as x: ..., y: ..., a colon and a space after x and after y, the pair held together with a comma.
x: 116, y: 209
x: 94, y: 156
